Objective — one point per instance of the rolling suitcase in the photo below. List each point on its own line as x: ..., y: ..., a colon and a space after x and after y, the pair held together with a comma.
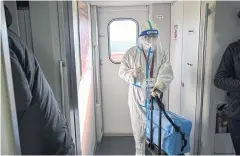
x: 166, y: 132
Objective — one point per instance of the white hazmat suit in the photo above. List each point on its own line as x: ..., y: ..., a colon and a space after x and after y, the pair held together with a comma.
x: 135, y: 70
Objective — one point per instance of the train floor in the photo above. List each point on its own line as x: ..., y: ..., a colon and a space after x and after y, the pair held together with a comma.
x: 117, y: 145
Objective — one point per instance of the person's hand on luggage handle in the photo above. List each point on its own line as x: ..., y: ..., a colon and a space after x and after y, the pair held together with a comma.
x: 153, y: 93
x: 158, y: 86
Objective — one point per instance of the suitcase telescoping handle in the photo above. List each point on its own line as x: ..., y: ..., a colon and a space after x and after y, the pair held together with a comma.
x: 162, y: 109
x: 158, y: 99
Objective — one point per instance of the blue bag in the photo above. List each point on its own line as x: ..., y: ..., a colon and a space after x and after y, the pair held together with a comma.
x: 175, y: 130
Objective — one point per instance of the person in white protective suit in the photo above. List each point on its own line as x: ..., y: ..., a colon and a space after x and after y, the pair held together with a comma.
x: 146, y: 68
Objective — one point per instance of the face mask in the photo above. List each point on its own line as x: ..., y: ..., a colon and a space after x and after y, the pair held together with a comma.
x: 148, y: 42
x: 147, y: 46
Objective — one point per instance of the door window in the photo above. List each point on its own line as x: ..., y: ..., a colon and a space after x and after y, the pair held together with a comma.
x: 122, y: 36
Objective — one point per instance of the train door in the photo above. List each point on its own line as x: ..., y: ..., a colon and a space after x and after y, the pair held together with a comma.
x: 118, y: 31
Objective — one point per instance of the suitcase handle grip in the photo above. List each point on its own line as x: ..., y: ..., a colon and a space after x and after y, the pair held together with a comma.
x: 159, y: 93
x: 159, y: 98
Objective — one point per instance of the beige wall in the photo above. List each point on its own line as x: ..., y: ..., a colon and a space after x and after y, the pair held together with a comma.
x: 160, y: 14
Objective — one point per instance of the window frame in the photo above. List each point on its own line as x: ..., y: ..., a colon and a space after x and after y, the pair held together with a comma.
x: 109, y: 24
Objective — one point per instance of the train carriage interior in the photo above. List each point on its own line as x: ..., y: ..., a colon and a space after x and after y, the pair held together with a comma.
x: 80, y: 45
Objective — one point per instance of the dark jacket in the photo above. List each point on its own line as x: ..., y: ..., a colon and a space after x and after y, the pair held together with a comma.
x: 228, y: 78
x: 42, y: 127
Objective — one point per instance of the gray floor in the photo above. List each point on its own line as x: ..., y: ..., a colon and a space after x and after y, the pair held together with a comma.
x: 117, y: 145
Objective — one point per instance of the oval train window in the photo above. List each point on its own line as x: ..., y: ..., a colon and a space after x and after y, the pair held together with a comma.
x: 122, y: 35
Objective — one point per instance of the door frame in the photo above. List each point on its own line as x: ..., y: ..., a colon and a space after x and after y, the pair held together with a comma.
x: 96, y: 74
x: 13, y: 139
x: 66, y: 32
x: 202, y: 48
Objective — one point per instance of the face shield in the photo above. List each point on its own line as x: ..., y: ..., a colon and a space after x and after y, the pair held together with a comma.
x: 147, y: 42
x: 148, y: 39
x: 151, y: 38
